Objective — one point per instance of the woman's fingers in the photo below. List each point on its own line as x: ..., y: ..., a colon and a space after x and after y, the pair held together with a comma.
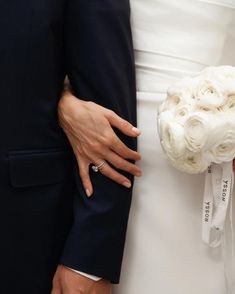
x: 125, y: 152
x: 84, y: 161
x: 123, y: 164
x: 85, y: 176
x: 106, y: 170
x: 124, y: 126
x: 83, y: 165
x: 109, y: 172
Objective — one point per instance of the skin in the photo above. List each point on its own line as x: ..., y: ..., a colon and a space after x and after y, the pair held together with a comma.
x: 89, y: 129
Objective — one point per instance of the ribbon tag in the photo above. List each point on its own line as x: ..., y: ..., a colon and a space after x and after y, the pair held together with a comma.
x: 218, y: 188
x: 223, y: 193
x: 219, y: 182
x: 207, y: 211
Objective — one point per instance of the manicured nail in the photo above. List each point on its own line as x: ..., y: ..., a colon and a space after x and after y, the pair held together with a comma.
x: 136, y: 131
x: 139, y: 174
x: 127, y: 184
x: 88, y: 193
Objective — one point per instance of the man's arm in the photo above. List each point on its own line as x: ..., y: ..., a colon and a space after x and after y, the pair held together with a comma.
x: 100, y: 67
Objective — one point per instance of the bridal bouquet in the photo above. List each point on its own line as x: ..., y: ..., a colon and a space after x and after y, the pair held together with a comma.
x: 197, y: 120
x: 196, y: 125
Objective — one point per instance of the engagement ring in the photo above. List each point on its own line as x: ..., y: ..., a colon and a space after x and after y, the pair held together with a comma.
x: 96, y: 168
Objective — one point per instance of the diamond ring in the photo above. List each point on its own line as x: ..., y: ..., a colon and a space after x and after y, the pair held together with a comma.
x: 96, y: 168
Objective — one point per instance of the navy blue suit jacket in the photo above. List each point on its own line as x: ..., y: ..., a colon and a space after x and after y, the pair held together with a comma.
x: 45, y: 216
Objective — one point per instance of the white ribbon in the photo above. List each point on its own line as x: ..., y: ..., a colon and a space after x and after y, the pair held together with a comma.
x: 217, y: 199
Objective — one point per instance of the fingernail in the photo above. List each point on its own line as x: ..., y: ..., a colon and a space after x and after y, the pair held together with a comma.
x: 137, y: 131
x: 139, y: 174
x: 127, y: 184
x: 88, y: 193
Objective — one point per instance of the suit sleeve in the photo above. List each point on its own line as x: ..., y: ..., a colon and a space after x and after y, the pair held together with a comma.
x: 100, y: 66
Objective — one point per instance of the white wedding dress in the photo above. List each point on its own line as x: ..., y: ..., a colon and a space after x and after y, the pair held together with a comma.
x: 164, y: 251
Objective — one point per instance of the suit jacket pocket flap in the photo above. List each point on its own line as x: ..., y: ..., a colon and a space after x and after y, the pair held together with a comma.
x: 31, y: 168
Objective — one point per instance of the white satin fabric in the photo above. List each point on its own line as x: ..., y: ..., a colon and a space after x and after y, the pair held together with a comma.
x: 164, y: 251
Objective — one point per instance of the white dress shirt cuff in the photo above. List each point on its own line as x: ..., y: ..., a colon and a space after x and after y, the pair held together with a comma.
x: 94, y: 278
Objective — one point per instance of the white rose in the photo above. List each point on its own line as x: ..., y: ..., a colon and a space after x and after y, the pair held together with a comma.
x: 226, y: 76
x: 222, y: 140
x: 229, y: 103
x: 225, y: 71
x: 196, y: 131
x: 209, y: 92
x: 192, y: 163
x: 172, y: 139
x: 182, y: 112
x: 170, y: 103
x: 208, y: 108
x: 183, y: 90
x: 163, y: 119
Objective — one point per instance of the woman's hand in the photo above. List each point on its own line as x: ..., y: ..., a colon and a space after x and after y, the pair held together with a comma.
x: 88, y: 127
